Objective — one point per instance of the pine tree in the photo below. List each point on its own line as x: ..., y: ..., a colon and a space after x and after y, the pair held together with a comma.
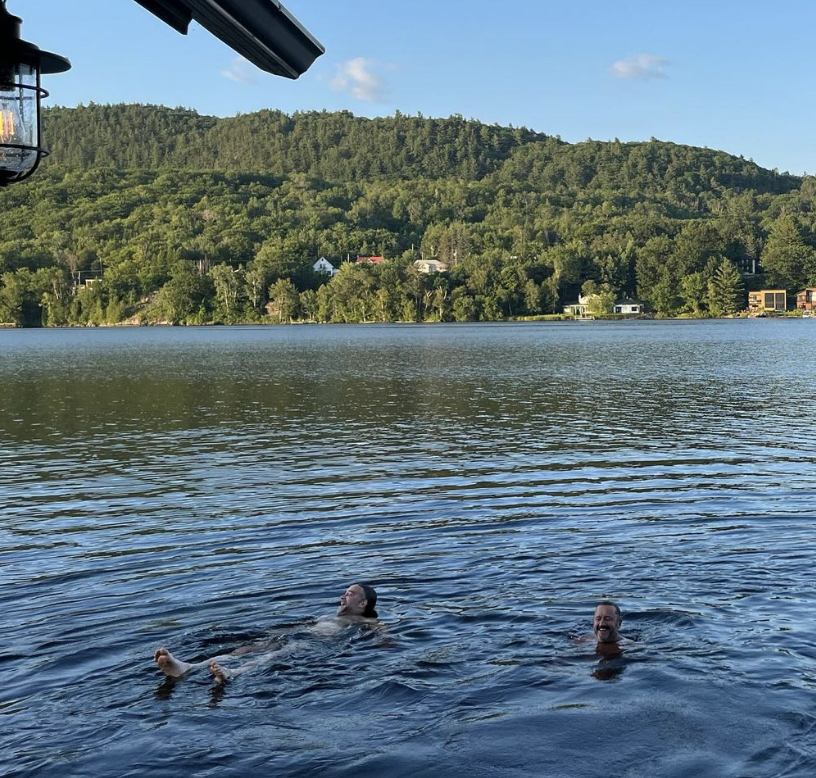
x: 726, y: 294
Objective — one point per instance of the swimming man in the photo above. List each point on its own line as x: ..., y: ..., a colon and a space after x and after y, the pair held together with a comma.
x: 606, y: 624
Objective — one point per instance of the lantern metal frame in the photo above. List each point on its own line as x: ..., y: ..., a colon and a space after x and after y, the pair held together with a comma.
x: 15, y: 52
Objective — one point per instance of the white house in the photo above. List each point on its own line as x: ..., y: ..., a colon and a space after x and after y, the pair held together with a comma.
x: 324, y: 266
x: 581, y: 308
x: 627, y: 305
x: 431, y: 265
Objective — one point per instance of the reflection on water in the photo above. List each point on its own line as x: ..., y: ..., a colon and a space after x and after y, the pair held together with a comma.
x: 202, y: 488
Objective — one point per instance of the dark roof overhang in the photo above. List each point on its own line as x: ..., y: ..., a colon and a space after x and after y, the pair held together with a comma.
x: 262, y: 31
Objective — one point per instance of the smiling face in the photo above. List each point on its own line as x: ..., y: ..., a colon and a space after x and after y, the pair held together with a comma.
x: 606, y: 623
x: 353, y: 602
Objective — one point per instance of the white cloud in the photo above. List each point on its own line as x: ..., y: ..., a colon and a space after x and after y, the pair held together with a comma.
x: 356, y: 77
x: 642, y: 66
x: 240, y: 70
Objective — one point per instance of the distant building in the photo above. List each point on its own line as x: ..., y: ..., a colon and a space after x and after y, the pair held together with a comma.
x: 84, y: 279
x: 431, y: 266
x: 581, y: 308
x: 371, y: 260
x: 767, y: 300
x: 324, y: 266
x: 746, y: 265
x: 627, y: 305
x: 806, y: 299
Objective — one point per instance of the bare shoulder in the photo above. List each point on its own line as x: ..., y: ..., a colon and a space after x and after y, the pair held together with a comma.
x: 327, y: 625
x: 331, y: 625
x: 590, y: 637
x: 372, y: 620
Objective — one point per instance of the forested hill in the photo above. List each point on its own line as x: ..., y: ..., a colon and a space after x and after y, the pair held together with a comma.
x: 330, y: 146
x: 339, y: 147
x: 165, y: 215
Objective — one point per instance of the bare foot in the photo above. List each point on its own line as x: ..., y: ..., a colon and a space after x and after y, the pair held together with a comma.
x: 221, y: 674
x: 169, y: 665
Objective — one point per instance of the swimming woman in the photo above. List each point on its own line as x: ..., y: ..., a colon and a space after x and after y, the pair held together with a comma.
x: 357, y: 605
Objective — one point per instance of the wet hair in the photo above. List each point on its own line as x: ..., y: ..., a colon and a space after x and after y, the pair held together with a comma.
x: 371, y: 600
x: 610, y: 604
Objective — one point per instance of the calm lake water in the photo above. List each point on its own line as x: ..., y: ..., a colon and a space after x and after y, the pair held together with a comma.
x: 205, y: 488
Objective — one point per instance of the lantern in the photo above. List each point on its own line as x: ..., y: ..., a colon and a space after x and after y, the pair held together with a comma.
x: 21, y: 64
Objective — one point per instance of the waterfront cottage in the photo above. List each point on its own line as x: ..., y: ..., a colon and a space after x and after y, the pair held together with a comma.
x: 581, y: 309
x: 627, y: 305
x: 767, y: 300
x: 806, y: 299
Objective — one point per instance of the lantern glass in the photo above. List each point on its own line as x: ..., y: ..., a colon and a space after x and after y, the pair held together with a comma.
x: 19, y: 134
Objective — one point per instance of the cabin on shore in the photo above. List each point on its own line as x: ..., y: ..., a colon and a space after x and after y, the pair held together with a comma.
x: 581, y: 310
x: 628, y: 306
x: 806, y: 299
x: 764, y: 300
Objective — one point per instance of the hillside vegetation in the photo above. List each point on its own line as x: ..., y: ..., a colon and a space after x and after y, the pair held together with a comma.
x: 177, y: 217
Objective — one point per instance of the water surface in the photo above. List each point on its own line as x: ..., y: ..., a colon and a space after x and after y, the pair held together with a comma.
x: 203, y: 487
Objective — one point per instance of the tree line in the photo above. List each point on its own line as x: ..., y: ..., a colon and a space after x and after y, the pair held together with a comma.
x: 145, y: 213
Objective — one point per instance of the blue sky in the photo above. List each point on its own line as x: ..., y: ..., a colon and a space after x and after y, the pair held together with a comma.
x: 733, y: 75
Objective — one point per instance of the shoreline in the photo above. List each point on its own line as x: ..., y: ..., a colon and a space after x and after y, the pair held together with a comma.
x: 546, y: 319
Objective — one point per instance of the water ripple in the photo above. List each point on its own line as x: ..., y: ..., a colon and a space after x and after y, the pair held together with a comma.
x: 207, y: 487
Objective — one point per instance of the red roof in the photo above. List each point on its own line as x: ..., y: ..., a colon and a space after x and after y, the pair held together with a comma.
x: 373, y: 260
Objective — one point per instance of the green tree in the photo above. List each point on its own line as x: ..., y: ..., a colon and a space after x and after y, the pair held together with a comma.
x: 694, y: 293
x: 438, y: 307
x: 309, y: 305
x: 257, y: 279
x: 664, y: 297
x: 183, y: 298
x: 115, y: 311
x: 55, y: 296
x: 533, y: 297
x: 726, y: 293
x: 17, y: 299
x: 464, y: 307
x: 228, y: 283
x: 283, y: 300
x: 325, y: 303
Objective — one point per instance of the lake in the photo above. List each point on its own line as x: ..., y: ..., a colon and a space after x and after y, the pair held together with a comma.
x: 205, y: 488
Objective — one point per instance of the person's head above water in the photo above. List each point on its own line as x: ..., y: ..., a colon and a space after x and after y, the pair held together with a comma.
x: 606, y: 622
x: 358, y: 600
